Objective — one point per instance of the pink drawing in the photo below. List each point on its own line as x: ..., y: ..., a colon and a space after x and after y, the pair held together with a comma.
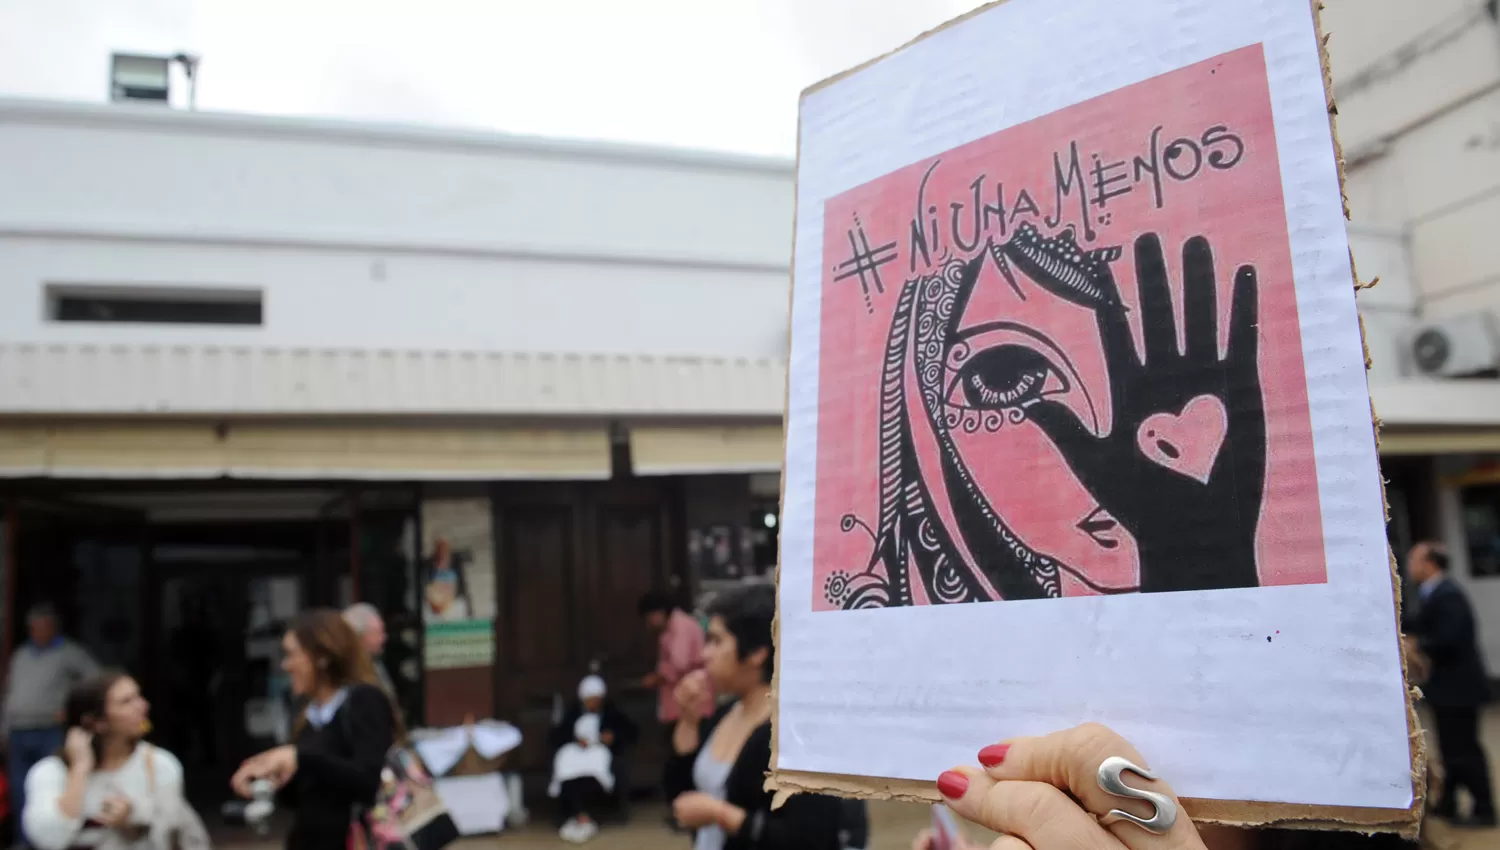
x: 1065, y: 359
x: 1187, y: 443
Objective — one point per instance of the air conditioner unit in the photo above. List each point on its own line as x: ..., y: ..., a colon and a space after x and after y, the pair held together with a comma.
x: 1453, y: 348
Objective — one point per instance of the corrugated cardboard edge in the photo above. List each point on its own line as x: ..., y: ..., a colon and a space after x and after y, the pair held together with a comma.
x: 1407, y: 822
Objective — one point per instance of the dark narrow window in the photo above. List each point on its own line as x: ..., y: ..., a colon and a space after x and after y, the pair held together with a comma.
x: 137, y: 305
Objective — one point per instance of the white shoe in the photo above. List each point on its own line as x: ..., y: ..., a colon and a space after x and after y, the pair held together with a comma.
x: 518, y: 815
x: 569, y: 832
x: 587, y: 830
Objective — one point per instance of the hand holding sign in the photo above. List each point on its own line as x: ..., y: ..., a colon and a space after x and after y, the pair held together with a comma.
x: 692, y: 694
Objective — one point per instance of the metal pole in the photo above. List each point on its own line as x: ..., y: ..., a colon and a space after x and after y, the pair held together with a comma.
x: 189, y: 64
x: 354, y: 584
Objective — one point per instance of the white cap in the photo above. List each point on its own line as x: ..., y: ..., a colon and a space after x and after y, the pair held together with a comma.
x: 591, y: 686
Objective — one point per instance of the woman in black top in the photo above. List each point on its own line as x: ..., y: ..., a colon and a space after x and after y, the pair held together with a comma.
x: 718, y: 770
x: 340, y: 742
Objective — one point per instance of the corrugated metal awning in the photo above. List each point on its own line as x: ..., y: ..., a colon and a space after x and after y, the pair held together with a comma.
x: 1438, y: 417
x: 1438, y: 441
x: 686, y: 450
x: 261, y: 450
x: 1454, y: 403
x: 59, y: 380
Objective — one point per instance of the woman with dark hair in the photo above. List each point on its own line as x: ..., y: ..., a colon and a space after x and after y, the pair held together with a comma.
x: 333, y: 767
x: 107, y: 788
x: 718, y: 770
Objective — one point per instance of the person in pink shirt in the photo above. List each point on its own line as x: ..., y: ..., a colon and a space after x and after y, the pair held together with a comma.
x: 679, y: 651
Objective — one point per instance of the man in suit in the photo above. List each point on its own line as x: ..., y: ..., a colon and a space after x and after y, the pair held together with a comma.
x: 1457, y: 687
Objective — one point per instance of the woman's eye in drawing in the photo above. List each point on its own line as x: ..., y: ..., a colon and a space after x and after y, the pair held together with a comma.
x: 1003, y: 377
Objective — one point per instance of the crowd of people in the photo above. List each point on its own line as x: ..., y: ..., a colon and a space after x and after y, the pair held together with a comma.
x: 83, y: 776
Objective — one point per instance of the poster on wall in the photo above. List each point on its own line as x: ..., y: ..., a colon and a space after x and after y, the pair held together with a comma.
x: 458, y: 583
x: 1078, y: 426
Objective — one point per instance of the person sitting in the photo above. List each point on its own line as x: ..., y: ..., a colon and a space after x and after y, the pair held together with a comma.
x: 588, y: 745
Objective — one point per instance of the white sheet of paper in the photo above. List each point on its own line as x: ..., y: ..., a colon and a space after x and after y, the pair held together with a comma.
x: 477, y: 804
x: 1287, y: 692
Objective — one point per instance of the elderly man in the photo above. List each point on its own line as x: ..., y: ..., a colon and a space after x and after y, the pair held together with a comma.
x: 368, y: 624
x: 1444, y: 627
x: 42, y: 671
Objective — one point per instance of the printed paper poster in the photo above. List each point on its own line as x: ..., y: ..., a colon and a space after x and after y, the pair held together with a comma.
x: 1065, y: 359
x: 458, y: 581
x: 1074, y: 337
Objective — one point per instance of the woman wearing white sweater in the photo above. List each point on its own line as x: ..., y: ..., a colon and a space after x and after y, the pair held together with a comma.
x: 107, y: 788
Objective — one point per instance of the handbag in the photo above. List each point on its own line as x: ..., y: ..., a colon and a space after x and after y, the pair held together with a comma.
x: 407, y: 813
x: 175, y: 825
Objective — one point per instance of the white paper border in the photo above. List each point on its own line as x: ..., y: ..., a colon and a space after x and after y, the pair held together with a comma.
x: 1316, y: 716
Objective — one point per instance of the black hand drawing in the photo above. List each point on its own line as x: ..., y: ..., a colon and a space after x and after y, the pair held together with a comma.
x: 1195, y: 527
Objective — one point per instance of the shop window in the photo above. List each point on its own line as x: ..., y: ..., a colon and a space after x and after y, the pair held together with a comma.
x: 1481, y: 512
x: 765, y: 534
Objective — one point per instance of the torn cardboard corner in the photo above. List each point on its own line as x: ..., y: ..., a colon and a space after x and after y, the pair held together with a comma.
x: 784, y: 783
x: 1225, y: 813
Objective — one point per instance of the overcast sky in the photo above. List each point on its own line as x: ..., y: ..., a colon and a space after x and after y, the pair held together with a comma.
x: 721, y: 74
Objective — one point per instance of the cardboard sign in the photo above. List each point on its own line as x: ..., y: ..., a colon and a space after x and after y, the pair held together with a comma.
x: 1074, y: 338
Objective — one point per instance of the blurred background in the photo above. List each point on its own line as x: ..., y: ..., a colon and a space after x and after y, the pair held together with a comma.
x: 293, y: 292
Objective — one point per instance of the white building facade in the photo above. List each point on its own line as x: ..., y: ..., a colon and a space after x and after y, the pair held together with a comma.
x: 1418, y: 92
x: 335, y: 361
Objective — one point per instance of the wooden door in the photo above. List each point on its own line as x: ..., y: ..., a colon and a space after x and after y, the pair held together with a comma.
x: 571, y: 561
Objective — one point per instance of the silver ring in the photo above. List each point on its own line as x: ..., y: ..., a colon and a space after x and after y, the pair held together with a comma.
x: 1111, y: 779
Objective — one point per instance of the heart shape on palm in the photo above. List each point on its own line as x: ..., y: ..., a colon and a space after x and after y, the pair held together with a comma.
x: 1187, y: 443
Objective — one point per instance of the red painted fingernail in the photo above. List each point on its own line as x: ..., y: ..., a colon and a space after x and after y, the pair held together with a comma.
x: 953, y: 784
x: 993, y: 755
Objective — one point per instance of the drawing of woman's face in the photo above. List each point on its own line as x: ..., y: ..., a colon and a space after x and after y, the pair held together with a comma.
x: 982, y: 341
x: 1014, y: 344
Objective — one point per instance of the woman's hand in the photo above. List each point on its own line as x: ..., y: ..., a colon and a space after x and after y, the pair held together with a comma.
x: 1044, y: 793
x: 1131, y: 472
x: 692, y: 694
x: 927, y: 840
x: 278, y: 765
x: 79, y: 748
x: 696, y: 809
x: 114, y: 812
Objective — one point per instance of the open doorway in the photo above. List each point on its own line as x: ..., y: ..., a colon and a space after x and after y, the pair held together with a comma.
x: 220, y: 695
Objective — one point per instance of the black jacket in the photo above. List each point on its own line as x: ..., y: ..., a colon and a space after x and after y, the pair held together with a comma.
x: 1444, y: 627
x: 611, y: 719
x: 806, y: 822
x: 338, y: 766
